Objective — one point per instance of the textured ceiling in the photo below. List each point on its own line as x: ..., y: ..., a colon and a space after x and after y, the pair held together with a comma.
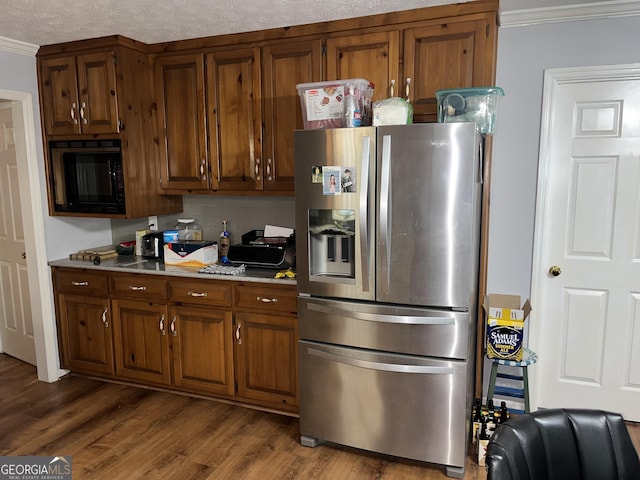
x: 45, y: 22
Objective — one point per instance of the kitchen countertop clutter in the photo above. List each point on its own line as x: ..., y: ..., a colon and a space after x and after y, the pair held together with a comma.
x: 133, y: 264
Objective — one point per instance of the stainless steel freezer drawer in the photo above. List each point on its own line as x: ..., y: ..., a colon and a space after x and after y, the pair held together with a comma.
x: 416, y: 331
x: 400, y: 405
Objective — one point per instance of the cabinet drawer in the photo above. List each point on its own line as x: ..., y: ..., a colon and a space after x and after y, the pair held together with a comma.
x: 138, y: 286
x: 200, y: 293
x: 270, y: 298
x: 80, y: 281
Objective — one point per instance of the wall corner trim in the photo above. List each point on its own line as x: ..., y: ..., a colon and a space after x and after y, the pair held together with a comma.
x: 568, y: 13
x: 16, y: 46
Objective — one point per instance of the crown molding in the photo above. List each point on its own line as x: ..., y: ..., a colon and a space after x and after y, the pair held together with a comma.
x: 569, y: 13
x: 16, y: 46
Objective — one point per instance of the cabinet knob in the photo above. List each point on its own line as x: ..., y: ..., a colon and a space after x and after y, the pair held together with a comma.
x: 406, y: 88
x: 392, y: 88
x: 79, y: 284
x: 269, y: 168
x: 202, y: 168
x: 104, y: 318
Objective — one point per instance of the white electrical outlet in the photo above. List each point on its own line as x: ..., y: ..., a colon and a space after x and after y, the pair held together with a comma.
x: 153, y: 222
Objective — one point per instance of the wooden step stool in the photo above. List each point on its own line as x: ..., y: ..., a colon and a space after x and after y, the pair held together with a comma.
x: 528, y: 358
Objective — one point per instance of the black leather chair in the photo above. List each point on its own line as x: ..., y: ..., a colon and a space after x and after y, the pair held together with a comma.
x: 563, y: 444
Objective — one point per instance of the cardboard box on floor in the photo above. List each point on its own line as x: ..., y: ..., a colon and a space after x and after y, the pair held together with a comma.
x: 505, y: 325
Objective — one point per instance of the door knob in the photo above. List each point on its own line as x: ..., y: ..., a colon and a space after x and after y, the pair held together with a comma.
x: 555, y: 270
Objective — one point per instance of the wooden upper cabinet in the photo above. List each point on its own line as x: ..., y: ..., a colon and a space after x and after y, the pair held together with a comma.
x: 447, y: 55
x: 283, y: 67
x: 179, y: 84
x: 372, y: 56
x: 79, y: 94
x: 234, y: 115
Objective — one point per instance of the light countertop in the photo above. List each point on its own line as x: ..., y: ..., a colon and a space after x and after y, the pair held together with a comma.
x: 134, y: 264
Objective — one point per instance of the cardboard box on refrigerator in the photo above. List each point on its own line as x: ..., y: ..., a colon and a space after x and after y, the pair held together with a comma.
x: 505, y: 325
x: 191, y: 253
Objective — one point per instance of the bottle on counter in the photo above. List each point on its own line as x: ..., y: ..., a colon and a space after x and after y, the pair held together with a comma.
x: 352, y: 112
x: 224, y: 243
x: 188, y: 229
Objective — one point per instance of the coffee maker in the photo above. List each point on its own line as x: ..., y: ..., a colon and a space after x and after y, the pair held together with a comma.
x: 153, y: 245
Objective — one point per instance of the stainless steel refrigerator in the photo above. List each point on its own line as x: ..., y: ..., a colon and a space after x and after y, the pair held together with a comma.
x: 387, y: 233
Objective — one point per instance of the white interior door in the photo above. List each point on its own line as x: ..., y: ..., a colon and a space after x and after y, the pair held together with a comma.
x: 16, y: 322
x: 586, y: 319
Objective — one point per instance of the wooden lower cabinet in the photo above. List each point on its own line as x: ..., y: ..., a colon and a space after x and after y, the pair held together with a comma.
x: 141, y: 341
x: 266, y: 336
x: 227, y: 339
x: 234, y: 340
x: 201, y: 340
x: 85, y: 334
x: 266, y: 358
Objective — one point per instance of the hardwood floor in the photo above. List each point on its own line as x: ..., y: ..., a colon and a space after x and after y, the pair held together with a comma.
x: 117, y: 432
x: 114, y: 432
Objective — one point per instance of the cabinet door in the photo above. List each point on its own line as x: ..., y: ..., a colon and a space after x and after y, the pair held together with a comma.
x: 141, y: 340
x: 447, y: 55
x: 202, y: 349
x: 372, y: 56
x: 283, y: 67
x: 85, y: 334
x: 59, y: 92
x: 98, y: 106
x: 181, y: 119
x: 234, y: 115
x: 267, y: 358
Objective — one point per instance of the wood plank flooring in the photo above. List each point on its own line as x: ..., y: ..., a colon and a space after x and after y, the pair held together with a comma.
x: 117, y: 432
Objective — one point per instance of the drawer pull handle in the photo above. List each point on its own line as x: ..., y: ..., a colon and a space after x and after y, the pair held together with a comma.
x: 104, y: 318
x: 80, y: 284
x: 137, y: 288
x: 197, y: 294
x: 162, y: 324
x: 172, y: 326
x: 238, y: 334
x: 267, y: 300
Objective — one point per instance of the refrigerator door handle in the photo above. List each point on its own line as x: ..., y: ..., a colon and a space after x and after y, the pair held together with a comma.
x: 372, y: 317
x: 386, y: 367
x: 385, y: 206
x: 364, y: 214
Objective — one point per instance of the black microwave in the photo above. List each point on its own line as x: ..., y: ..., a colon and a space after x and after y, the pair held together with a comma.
x: 87, y: 176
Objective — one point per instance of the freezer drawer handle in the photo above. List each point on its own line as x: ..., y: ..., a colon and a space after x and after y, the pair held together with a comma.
x: 387, y: 367
x: 372, y: 317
